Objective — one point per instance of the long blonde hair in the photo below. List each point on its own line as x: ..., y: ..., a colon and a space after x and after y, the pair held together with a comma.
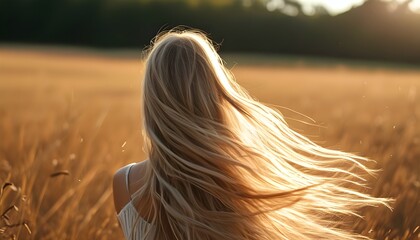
x: 225, y: 166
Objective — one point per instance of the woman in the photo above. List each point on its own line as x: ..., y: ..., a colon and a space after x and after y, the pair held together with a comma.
x: 222, y: 165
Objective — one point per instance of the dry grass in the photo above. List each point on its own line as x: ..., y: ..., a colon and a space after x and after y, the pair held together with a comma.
x: 68, y: 122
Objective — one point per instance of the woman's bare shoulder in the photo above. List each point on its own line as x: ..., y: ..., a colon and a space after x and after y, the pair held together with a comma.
x: 122, y: 194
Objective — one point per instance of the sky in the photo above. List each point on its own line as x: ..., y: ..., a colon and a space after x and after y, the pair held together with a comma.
x: 334, y: 7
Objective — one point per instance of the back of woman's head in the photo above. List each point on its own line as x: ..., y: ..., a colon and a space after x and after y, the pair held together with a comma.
x: 224, y: 166
x: 182, y: 73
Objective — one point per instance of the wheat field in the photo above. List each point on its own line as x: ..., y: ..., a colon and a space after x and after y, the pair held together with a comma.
x: 69, y: 120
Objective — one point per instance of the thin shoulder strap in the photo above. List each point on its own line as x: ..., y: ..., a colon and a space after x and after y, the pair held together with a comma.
x: 127, y: 172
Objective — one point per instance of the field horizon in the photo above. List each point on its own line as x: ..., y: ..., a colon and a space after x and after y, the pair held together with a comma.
x: 70, y: 119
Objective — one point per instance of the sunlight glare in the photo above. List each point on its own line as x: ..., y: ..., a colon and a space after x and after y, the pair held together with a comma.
x: 333, y: 7
x: 414, y: 6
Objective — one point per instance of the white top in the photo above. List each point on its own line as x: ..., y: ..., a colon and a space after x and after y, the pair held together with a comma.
x: 128, y: 216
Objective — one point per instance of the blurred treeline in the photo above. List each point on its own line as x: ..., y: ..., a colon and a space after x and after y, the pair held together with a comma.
x: 370, y: 31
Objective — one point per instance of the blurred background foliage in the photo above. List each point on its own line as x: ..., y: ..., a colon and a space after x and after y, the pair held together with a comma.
x: 372, y: 30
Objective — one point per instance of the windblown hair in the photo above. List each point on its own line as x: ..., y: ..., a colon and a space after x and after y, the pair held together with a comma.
x: 225, y: 166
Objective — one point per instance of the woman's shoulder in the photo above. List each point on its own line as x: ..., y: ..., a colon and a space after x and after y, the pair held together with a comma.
x: 126, y: 182
x: 121, y: 172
